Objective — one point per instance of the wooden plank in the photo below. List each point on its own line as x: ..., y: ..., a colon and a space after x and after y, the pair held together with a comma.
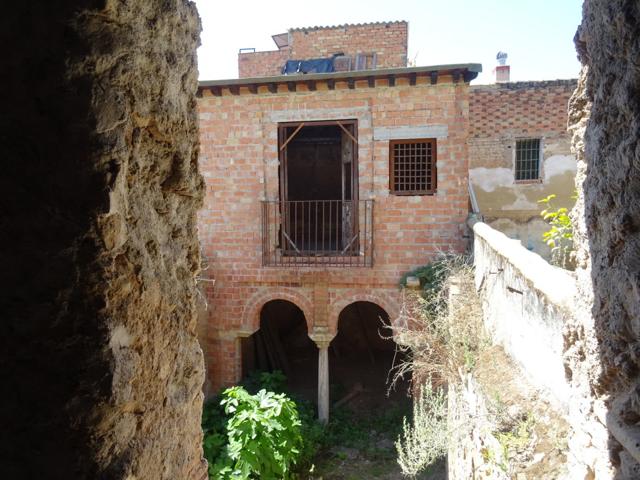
x: 291, y: 86
x: 217, y: 91
x: 253, y: 88
x: 392, y: 80
x: 331, y: 84
x: 371, y: 80
x: 412, y: 78
x: 351, y: 83
x: 347, y: 132
x: 311, y: 85
x: 273, y: 88
x: 291, y: 137
x: 434, y: 78
x: 234, y: 89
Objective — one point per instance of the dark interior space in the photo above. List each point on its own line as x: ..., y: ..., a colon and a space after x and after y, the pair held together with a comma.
x: 361, y: 357
x: 282, y: 343
x: 317, y: 188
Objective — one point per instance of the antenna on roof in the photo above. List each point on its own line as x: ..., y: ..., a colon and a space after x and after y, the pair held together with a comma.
x: 502, y: 58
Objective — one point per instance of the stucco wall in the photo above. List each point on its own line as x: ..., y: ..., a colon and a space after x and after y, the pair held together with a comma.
x: 525, y: 305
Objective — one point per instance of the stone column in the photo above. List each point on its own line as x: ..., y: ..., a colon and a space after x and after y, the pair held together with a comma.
x: 323, y: 340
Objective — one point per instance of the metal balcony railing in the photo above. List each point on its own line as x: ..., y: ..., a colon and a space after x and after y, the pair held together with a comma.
x: 332, y: 233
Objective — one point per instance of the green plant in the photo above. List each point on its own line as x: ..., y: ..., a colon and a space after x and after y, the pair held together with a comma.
x: 514, y: 439
x: 424, y: 441
x: 263, y: 434
x: 560, y: 236
x: 214, y: 430
x: 275, y: 382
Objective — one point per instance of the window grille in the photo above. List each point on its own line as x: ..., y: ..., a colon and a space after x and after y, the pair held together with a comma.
x: 412, y: 167
x: 527, y: 165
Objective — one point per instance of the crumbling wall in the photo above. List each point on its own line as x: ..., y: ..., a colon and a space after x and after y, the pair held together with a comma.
x: 603, y: 359
x: 101, y: 369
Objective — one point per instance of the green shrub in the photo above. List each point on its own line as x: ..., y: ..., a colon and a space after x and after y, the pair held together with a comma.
x: 560, y: 236
x: 263, y: 435
x: 424, y: 441
x: 257, y: 380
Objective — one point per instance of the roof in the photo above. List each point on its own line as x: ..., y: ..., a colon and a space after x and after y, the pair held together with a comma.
x: 465, y: 71
x: 345, y: 25
x: 281, y: 40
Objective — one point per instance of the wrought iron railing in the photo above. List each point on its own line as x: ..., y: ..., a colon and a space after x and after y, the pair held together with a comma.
x: 335, y: 233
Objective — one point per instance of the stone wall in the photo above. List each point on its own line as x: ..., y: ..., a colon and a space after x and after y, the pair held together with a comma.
x: 240, y: 163
x: 603, y: 357
x: 499, y: 115
x: 101, y: 370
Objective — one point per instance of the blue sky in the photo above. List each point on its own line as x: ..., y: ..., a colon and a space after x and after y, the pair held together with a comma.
x: 536, y: 34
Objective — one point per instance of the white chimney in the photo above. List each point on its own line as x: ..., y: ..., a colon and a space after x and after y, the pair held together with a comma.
x: 502, y: 70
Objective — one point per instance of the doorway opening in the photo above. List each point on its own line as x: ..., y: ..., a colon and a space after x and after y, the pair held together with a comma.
x: 282, y: 343
x: 318, y: 187
x: 361, y: 358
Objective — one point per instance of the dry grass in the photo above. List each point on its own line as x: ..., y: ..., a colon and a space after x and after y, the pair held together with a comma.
x: 440, y: 330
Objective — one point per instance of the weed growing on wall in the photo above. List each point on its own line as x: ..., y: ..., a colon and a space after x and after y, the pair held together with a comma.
x: 560, y: 236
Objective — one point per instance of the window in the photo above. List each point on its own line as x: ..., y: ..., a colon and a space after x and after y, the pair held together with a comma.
x: 527, y: 165
x: 412, y: 167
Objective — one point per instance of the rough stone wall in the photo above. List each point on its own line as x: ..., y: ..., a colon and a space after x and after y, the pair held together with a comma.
x: 388, y: 40
x: 100, y: 367
x: 603, y: 358
x: 240, y: 163
x: 498, y: 115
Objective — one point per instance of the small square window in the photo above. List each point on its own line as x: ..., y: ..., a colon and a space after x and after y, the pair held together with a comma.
x: 527, y: 165
x: 412, y: 167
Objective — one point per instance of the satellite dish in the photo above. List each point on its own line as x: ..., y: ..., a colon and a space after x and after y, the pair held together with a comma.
x: 502, y: 58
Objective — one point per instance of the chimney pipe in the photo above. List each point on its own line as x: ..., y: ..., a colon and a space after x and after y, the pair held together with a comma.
x: 502, y: 70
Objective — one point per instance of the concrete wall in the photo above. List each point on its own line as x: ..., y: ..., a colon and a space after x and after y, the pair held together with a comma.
x: 526, y: 303
x: 499, y: 114
x: 388, y: 40
x: 240, y: 163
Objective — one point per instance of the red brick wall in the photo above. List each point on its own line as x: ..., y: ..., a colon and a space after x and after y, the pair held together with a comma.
x: 239, y: 161
x: 261, y: 64
x: 388, y: 40
x: 519, y: 108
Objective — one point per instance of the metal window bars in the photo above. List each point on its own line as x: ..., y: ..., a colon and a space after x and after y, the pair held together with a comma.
x: 413, y: 166
x: 527, y: 166
x: 327, y: 233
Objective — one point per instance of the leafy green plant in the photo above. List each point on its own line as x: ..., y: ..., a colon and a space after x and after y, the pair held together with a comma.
x: 275, y: 382
x: 425, y: 440
x: 560, y: 236
x: 263, y: 436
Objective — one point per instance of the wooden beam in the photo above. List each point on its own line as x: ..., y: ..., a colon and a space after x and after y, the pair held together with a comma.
x: 253, y: 88
x: 311, y: 85
x: 456, y: 76
x: 434, y: 78
x: 291, y: 86
x: 412, y: 78
x: 295, y: 132
x: 273, y: 88
x: 331, y: 84
x: 351, y: 83
x: 234, y: 89
x: 347, y: 132
x: 392, y: 80
x: 468, y: 76
x: 371, y: 80
x: 217, y: 91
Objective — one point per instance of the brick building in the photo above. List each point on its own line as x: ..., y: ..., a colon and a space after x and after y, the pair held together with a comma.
x: 323, y: 189
x: 519, y: 152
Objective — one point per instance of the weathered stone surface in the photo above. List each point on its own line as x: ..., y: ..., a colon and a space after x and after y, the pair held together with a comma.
x: 101, y: 369
x: 603, y: 359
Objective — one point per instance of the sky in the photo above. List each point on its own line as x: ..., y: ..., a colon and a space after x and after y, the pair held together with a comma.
x: 537, y: 35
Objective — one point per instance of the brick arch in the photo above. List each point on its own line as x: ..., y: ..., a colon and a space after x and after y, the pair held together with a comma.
x: 253, y: 307
x: 382, y: 299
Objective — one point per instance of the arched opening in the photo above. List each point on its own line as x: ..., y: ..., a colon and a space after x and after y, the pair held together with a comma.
x: 282, y: 343
x: 361, y: 357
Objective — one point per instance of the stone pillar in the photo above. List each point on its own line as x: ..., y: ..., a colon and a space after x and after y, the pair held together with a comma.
x: 322, y: 340
x: 323, y: 382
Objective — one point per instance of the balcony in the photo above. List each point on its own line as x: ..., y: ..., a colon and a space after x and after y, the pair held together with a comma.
x: 317, y: 233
